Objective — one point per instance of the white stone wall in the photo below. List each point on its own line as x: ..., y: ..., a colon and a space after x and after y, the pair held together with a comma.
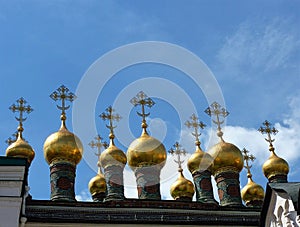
x: 282, y: 212
x: 11, y: 199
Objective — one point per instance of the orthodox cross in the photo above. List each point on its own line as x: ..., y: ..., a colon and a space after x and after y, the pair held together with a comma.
x: 62, y: 93
x: 14, y: 138
x: 108, y: 115
x: 22, y: 108
x: 269, y: 131
x: 196, y: 124
x: 216, y: 110
x: 248, y: 157
x: 178, y: 151
x: 143, y: 100
x: 97, y: 143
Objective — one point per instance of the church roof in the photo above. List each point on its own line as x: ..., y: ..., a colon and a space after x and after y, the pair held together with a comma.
x: 135, y: 211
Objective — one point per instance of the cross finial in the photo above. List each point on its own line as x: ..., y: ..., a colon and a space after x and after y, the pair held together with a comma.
x: 62, y: 93
x: 108, y: 115
x: 143, y: 100
x: 22, y: 108
x: 9, y: 141
x: 178, y: 151
x: 269, y: 130
x: 13, y: 139
x: 196, y: 124
x: 97, y: 143
x: 216, y: 110
x: 248, y: 157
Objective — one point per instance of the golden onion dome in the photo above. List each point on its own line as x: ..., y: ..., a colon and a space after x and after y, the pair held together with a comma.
x: 200, y: 160
x: 113, y: 156
x: 226, y: 155
x: 63, y: 145
x: 252, y: 192
x: 20, y: 148
x: 182, y: 188
x: 275, y: 166
x: 97, y: 184
x: 146, y: 151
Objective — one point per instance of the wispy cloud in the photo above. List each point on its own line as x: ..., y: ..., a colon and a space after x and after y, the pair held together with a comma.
x: 261, y: 45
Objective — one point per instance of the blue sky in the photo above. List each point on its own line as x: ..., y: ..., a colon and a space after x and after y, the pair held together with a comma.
x: 251, y: 47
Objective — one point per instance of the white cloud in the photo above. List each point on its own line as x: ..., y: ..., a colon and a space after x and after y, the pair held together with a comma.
x: 286, y: 143
x: 260, y: 45
x: 84, y: 195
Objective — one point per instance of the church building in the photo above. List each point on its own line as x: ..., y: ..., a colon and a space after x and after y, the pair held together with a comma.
x: 146, y: 156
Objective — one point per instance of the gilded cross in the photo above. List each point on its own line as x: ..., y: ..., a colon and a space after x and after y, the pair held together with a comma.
x: 97, y: 143
x: 22, y: 108
x: 196, y: 124
x: 217, y: 110
x: 269, y: 131
x: 9, y: 141
x: 178, y: 151
x: 108, y: 115
x: 248, y: 157
x: 143, y: 100
x: 14, y: 138
x: 62, y: 93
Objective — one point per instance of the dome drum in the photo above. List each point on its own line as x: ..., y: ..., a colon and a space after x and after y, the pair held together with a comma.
x: 63, y: 151
x: 146, y: 156
x: 200, y: 166
x: 228, y: 163
x: 227, y: 171
x: 203, y: 186
x: 228, y: 185
x: 113, y: 161
x: 62, y: 179
x: 148, y: 182
x: 114, y: 182
x: 99, y: 197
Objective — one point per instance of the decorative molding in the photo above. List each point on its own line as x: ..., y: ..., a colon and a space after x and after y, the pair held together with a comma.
x: 12, y: 173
